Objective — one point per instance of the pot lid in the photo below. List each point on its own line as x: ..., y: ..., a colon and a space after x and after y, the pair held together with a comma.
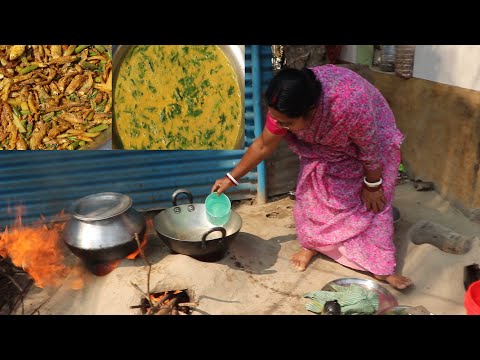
x: 100, y: 206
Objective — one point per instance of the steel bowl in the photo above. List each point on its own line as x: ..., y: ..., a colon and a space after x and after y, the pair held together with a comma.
x: 235, y: 55
x: 103, y: 226
x: 405, y: 310
x: 385, y: 298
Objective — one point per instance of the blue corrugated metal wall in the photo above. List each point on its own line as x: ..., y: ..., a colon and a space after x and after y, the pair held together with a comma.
x: 48, y: 181
x: 266, y: 66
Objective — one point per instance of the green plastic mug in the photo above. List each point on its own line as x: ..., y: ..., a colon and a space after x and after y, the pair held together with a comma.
x: 218, y: 208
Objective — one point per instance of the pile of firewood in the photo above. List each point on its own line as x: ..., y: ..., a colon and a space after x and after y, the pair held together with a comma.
x: 14, y: 284
x: 172, y: 302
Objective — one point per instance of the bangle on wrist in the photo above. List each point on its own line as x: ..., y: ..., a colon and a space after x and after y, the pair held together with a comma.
x: 374, y: 184
x: 232, y: 179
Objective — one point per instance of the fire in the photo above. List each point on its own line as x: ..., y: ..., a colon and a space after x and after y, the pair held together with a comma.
x: 170, y: 302
x: 143, y: 242
x: 102, y: 269
x: 40, y: 251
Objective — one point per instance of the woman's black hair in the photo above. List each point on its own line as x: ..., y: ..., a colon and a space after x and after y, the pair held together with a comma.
x: 293, y: 92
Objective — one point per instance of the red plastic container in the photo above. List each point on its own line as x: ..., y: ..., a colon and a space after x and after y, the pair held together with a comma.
x: 472, y: 299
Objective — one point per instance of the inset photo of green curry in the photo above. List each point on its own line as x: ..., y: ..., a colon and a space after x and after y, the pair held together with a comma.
x: 55, y: 97
x: 179, y: 97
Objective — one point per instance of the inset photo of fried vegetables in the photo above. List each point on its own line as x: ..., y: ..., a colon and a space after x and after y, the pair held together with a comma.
x: 55, y: 97
x: 179, y: 97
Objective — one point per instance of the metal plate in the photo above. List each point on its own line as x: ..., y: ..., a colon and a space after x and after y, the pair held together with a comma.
x: 100, y: 206
x: 385, y: 298
x: 406, y: 310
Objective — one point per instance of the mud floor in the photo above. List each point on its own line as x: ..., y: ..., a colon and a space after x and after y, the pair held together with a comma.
x: 256, y: 277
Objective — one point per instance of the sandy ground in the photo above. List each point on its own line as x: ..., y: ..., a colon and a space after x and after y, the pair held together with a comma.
x: 256, y: 276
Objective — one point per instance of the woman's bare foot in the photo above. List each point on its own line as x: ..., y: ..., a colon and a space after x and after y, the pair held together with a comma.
x: 302, y: 258
x: 397, y: 281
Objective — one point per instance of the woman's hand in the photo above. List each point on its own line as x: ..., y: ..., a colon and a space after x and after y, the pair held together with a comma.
x: 221, y: 185
x: 374, y: 199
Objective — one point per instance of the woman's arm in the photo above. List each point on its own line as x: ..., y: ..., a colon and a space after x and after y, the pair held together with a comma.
x: 364, y: 134
x: 260, y: 149
x: 373, y: 175
x: 373, y: 197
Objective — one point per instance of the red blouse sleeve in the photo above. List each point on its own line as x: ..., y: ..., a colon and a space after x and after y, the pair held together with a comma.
x: 273, y: 127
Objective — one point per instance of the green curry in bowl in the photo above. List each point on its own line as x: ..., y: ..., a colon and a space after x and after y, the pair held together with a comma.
x: 172, y: 97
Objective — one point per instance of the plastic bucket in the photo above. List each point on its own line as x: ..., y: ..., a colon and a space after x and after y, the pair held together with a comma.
x: 218, y: 208
x: 472, y: 299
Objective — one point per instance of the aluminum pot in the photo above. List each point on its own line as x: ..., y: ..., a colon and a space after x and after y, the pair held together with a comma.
x: 186, y: 230
x: 103, y: 226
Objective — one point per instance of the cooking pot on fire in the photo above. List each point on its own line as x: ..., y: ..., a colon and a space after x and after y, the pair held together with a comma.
x: 103, y: 226
x: 186, y: 230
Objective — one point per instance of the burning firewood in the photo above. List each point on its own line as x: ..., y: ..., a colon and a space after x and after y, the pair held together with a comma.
x: 173, y: 302
x: 161, y: 299
x: 141, y: 306
x: 165, y: 309
x: 14, y: 284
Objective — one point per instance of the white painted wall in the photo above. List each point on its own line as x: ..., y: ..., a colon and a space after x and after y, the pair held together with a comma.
x: 457, y: 65
x: 349, y: 53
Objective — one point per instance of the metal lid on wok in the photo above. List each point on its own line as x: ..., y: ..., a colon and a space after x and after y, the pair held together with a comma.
x: 100, y: 206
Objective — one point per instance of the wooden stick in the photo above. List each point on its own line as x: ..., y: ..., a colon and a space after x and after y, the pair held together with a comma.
x: 138, y: 288
x: 39, y: 306
x: 163, y: 310
x: 189, y: 304
x: 144, y: 306
x: 163, y: 299
x: 160, y: 304
x: 46, y: 300
x: 14, y: 282
x: 149, y: 268
x: 20, y: 298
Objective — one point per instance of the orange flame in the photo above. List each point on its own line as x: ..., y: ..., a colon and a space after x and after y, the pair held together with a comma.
x: 102, y: 269
x: 40, y: 251
x: 134, y: 254
x: 143, y: 241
